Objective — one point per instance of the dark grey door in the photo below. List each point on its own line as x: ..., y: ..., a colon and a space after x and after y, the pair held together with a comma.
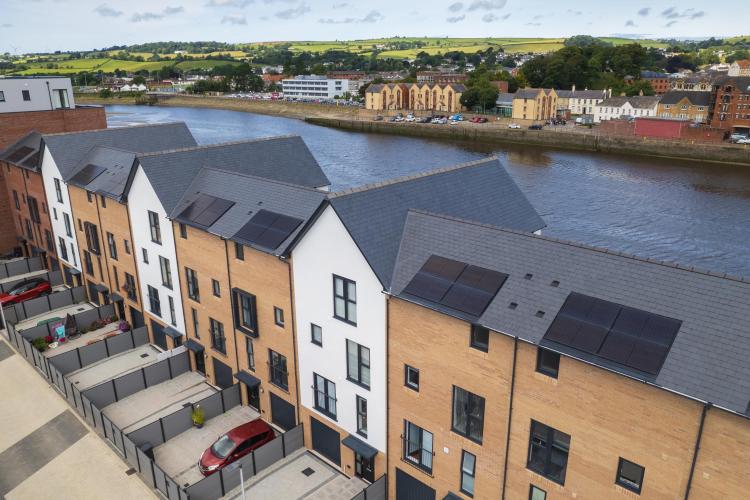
x: 409, y: 488
x: 93, y: 294
x: 282, y: 413
x: 222, y: 374
x: 137, y: 317
x: 160, y: 338
x: 326, y: 441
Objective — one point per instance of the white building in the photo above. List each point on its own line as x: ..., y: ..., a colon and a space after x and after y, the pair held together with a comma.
x: 317, y: 87
x: 739, y: 68
x: 35, y: 93
x: 621, y: 107
x: 580, y: 102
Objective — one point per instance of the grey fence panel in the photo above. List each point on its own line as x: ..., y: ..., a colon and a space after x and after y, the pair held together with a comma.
x: 129, y: 384
x: 60, y: 299
x: 140, y: 336
x: 12, y: 335
x: 66, y: 362
x: 378, y: 490
x: 183, y: 495
x: 208, y: 488
x: 88, y: 410
x: 294, y: 439
x: 130, y: 451
x: 8, y: 285
x: 11, y: 315
x: 146, y: 467
x: 177, y: 422
x: 106, y: 311
x: 211, y: 405
x: 117, y: 433
x: 119, y: 343
x: 55, y: 278
x: 231, y: 476
x: 173, y: 491
x: 97, y: 416
x: 79, y: 294
x: 35, y: 332
x: 76, y: 398
x: 101, y: 395
x: 180, y: 364
x: 156, y: 373
x: 36, y: 306
x: 3, y: 271
x: 20, y: 266
x: 360, y: 496
x: 268, y: 454
x: 92, y: 353
x: 107, y: 428
x: 150, y: 433
x: 68, y: 390
x: 161, y: 480
x: 85, y: 318
x: 232, y: 397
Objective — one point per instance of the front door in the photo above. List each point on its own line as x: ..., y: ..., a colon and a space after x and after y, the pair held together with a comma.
x: 200, y: 363
x: 160, y: 338
x: 364, y: 468
x: 136, y: 317
x: 93, y: 293
x: 253, y: 397
x: 120, y: 306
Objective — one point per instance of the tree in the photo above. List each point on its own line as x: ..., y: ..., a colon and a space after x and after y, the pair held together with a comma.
x: 639, y: 86
x: 139, y: 80
x: 738, y: 55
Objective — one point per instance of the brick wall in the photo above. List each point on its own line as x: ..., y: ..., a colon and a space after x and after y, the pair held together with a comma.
x: 13, y: 126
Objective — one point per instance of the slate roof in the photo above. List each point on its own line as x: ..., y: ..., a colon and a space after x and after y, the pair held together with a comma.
x: 117, y: 165
x: 527, y: 93
x: 637, y: 102
x: 504, y: 98
x: 581, y: 94
x: 284, y: 158
x: 695, y: 98
x: 69, y: 148
x: 481, y: 190
x: 708, y: 359
x: 30, y: 161
x: 250, y: 194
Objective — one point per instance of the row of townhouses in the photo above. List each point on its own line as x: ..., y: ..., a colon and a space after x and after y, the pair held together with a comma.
x: 419, y: 328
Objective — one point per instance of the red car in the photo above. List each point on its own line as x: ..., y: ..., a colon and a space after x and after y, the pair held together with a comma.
x: 25, y: 290
x: 234, y: 445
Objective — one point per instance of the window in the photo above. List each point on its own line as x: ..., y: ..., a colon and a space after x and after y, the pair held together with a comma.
x: 112, y: 244
x: 239, y: 251
x: 537, y: 493
x: 89, y: 197
x: 87, y: 263
x: 250, y: 353
x: 480, y: 338
x: 278, y: 370
x: 26, y: 95
x: 172, y: 317
x: 548, y: 452
x: 192, y: 284
x: 62, y: 95
x: 2, y: 96
x: 92, y: 237
x: 68, y: 229
x: 278, y: 316
x: 316, y: 334
x: 547, y: 362
x: 127, y: 246
x: 104, y: 201
x: 411, y: 377
x: 48, y: 239
x: 630, y: 475
x: 145, y: 255
x: 166, y: 272
x: 130, y: 287
x: 418, y: 446
x: 153, y: 222
x: 29, y: 230
x: 63, y: 248
x: 358, y: 364
x: 73, y: 254
x: 34, y: 209
x: 468, y: 472
x: 325, y: 396
x: 361, y: 416
x: 218, y: 341
x: 183, y: 231
x: 153, y: 300
x: 216, y: 287
x: 468, y: 414
x: 58, y: 191
x: 345, y: 300
x: 15, y: 200
x: 196, y: 324
x: 245, y: 313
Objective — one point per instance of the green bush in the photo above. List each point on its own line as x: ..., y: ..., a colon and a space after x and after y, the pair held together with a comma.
x: 40, y: 344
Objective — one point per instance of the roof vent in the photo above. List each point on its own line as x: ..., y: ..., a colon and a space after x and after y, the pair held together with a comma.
x: 555, y: 283
x: 528, y: 276
x: 512, y: 305
x: 540, y: 314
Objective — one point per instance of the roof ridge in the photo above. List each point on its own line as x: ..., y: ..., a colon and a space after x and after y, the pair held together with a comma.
x: 408, y: 178
x: 110, y: 129
x: 264, y: 179
x: 674, y: 265
x: 217, y: 145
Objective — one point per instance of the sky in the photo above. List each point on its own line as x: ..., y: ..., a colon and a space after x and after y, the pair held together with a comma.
x: 48, y: 25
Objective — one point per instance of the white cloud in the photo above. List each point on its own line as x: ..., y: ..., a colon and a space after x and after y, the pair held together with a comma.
x: 456, y: 19
x: 372, y: 17
x: 292, y: 13
x: 105, y: 10
x: 238, y: 4
x: 235, y: 19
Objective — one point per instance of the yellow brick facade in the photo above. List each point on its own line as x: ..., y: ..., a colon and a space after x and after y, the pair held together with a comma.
x: 683, y: 110
x: 414, y: 97
x: 541, y: 106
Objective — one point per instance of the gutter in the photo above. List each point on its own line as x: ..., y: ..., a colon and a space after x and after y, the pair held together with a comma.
x: 510, y: 415
x: 698, y: 439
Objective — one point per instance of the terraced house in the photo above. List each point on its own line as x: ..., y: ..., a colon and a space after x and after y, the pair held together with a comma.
x: 685, y: 105
x: 526, y: 367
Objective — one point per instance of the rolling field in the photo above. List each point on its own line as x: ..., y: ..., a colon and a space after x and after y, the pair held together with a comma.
x: 110, y: 65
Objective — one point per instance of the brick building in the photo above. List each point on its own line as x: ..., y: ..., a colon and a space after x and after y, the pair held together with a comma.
x: 685, y: 105
x: 731, y: 106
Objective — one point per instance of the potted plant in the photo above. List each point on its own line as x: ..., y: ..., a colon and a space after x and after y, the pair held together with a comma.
x: 123, y: 326
x: 199, y: 416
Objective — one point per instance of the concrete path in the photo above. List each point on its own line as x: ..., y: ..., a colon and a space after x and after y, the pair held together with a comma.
x: 113, y: 367
x: 46, y: 451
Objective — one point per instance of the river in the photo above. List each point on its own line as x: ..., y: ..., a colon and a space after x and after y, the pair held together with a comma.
x: 694, y: 213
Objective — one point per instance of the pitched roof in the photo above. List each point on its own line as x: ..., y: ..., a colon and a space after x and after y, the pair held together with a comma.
x: 527, y: 93
x: 24, y: 152
x: 284, y: 158
x: 708, y: 358
x: 114, y: 170
x: 481, y: 190
x: 695, y: 98
x: 249, y: 194
x: 504, y: 98
x: 637, y: 102
x: 69, y: 148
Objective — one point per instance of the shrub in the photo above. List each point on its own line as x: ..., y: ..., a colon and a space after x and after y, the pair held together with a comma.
x: 199, y: 416
x: 40, y: 343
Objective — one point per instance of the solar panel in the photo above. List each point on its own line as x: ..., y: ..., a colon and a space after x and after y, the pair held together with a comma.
x: 32, y: 161
x: 634, y: 338
x: 88, y: 174
x: 268, y: 229
x: 205, y: 210
x: 19, y: 154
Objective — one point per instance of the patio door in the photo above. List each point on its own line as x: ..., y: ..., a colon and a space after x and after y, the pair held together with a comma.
x: 253, y: 397
x: 364, y: 468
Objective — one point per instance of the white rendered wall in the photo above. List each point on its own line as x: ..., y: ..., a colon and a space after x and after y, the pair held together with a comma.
x: 50, y: 172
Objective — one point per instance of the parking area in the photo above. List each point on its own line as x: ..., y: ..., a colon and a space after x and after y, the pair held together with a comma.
x: 113, y: 367
x: 149, y: 405
x: 55, y: 314
x: 179, y: 456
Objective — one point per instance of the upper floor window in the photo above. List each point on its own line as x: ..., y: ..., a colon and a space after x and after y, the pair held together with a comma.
x: 218, y: 341
x: 468, y: 472
x: 250, y: 353
x: 468, y: 414
x: 216, y: 288
x: 15, y: 200
x: 358, y: 364
x: 63, y: 248
x: 245, y: 313
x: 345, y: 300
x: 2, y: 96
x: 547, y: 362
x: 112, y: 244
x: 166, y: 272
x: 130, y: 287
x: 33, y: 209
x: 548, y: 452
x: 62, y: 97
x: 145, y: 255
x: 153, y: 300
x: 411, y: 377
x: 183, y: 231
x: 191, y: 278
x: 325, y: 395
x: 153, y: 222
x: 278, y: 316
x: 316, y: 334
x: 26, y: 95
x: 172, y: 316
x: 630, y: 475
x: 239, y: 251
x: 480, y: 338
x: 361, y: 416
x: 68, y: 229
x: 418, y: 446
x: 277, y: 368
x: 92, y: 237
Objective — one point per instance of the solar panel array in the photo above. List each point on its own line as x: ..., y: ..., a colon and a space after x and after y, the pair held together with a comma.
x: 631, y: 337
x: 457, y: 285
x: 88, y: 174
x: 268, y: 229
x: 19, y: 154
x: 205, y: 210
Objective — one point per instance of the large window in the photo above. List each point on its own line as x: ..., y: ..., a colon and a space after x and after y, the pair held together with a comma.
x: 358, y: 364
x: 130, y: 287
x: 112, y: 244
x: 345, y: 300
x: 250, y: 353
x: 325, y: 396
x: 166, y: 272
x: 245, y: 312
x: 278, y: 370
x: 418, y: 446
x: 361, y: 416
x: 547, y: 362
x: 630, y: 475
x: 548, y: 452
x: 218, y: 341
x: 33, y: 209
x: 153, y: 300
x: 92, y: 237
x: 468, y: 472
x: 191, y: 278
x: 468, y: 414
x: 63, y: 248
x: 153, y: 222
x: 87, y: 263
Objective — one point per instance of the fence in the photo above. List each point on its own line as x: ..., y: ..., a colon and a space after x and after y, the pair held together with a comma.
x: 22, y: 266
x: 82, y: 319
x: 16, y: 313
x: 54, y: 278
x: 376, y: 491
x: 70, y: 361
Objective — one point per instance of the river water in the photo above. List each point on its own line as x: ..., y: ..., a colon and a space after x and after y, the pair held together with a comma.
x: 693, y: 213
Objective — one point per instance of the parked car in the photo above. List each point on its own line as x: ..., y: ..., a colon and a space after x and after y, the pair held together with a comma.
x: 378, y: 118
x: 410, y: 118
x: 234, y: 445
x: 425, y: 119
x: 746, y: 140
x: 25, y: 290
x: 514, y: 126
x: 737, y: 138
x: 535, y: 127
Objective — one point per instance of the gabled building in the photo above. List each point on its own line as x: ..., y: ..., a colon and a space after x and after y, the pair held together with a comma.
x: 535, y: 104
x: 342, y: 265
x: 739, y: 68
x: 521, y: 366
x: 685, y: 105
x: 619, y: 107
x: 579, y: 102
x: 731, y: 107
x: 416, y: 97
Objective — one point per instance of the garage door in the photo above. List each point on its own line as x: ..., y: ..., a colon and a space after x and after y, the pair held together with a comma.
x: 282, y: 413
x: 326, y: 441
x: 160, y: 338
x: 408, y: 488
x: 222, y: 374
